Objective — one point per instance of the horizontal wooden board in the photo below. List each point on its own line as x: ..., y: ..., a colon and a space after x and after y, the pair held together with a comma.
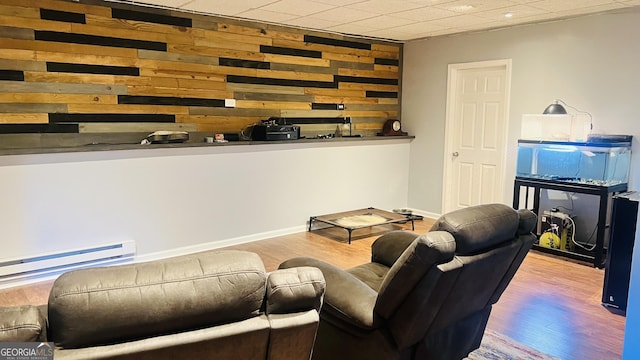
x: 312, y: 113
x: 22, y: 65
x: 217, y: 52
x: 61, y: 88
x: 349, y: 58
x: 106, y: 127
x: 363, y: 113
x: 16, y: 33
x: 70, y: 49
x: 336, y: 92
x: 61, y: 5
x: 269, y: 89
x: 183, y: 73
x: 322, y: 48
x: 345, y: 100
x: 297, y: 75
x: 251, y: 104
x: 368, y: 73
x: 27, y: 108
x: 299, y: 60
x: 24, y: 118
x: 261, y: 113
x: 182, y: 58
x: 109, y: 117
x: 57, y: 98
x: 388, y: 101
x: 180, y: 92
x: 127, y: 109
x: 221, y: 44
x: 272, y: 97
x: 365, y: 86
x: 259, y: 30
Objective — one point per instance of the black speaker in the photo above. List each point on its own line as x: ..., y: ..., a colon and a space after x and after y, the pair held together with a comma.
x: 618, y: 265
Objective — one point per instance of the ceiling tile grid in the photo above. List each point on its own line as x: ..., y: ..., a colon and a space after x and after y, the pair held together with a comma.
x: 399, y: 20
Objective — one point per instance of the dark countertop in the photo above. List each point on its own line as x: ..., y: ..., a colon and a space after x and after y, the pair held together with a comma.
x: 41, y: 145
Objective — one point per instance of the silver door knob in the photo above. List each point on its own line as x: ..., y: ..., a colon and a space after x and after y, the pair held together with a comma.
x: 455, y: 154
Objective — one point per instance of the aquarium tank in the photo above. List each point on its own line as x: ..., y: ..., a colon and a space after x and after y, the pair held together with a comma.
x: 600, y: 161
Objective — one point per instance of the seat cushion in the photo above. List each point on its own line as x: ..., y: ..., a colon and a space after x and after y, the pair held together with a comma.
x: 371, y: 274
x: 21, y: 324
x: 110, y: 304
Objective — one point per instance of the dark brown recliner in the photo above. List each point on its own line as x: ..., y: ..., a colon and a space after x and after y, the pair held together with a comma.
x: 423, y: 297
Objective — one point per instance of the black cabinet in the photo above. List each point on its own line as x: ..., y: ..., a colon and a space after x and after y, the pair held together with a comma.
x: 604, y: 193
x: 618, y: 267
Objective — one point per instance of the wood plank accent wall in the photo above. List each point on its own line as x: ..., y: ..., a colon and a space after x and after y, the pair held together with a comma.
x: 94, y: 66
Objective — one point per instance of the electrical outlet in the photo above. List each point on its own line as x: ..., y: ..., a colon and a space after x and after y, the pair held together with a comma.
x: 230, y: 103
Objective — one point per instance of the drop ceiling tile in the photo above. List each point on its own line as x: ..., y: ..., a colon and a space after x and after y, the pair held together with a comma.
x: 351, y: 28
x: 517, y: 12
x: 587, y: 10
x: 425, y: 13
x: 268, y: 16
x: 474, y: 6
x: 383, y: 22
x: 420, y: 28
x: 460, y: 20
x: 164, y: 3
x: 384, y: 7
x: 340, y: 2
x: 431, y: 2
x: 344, y: 15
x: 225, y: 7
x: 391, y: 34
x: 297, y: 7
x: 556, y: 6
x: 312, y: 23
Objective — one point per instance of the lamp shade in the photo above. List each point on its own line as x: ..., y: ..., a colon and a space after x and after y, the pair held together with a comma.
x: 555, y: 109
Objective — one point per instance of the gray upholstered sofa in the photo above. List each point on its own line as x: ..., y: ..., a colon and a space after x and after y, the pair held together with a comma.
x: 211, y: 305
x: 423, y: 296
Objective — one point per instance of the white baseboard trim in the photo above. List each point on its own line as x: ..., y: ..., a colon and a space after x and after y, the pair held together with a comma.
x: 218, y: 244
x: 426, y: 214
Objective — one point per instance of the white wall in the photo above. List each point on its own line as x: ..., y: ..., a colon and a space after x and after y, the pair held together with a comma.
x: 589, y: 62
x: 178, y: 200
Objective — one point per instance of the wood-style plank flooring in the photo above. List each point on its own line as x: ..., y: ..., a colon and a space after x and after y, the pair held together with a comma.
x: 552, y: 304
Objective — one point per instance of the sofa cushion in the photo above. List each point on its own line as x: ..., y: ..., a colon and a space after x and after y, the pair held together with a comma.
x: 21, y: 324
x: 105, y: 305
x: 479, y: 227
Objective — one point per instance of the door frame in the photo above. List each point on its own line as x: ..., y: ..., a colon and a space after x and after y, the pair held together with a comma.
x: 452, y: 90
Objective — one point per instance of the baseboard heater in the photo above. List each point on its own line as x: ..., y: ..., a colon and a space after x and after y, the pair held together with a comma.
x: 41, y: 265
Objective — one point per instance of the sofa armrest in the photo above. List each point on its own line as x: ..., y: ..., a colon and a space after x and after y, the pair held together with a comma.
x: 22, y: 324
x: 388, y: 247
x: 346, y: 297
x: 294, y: 289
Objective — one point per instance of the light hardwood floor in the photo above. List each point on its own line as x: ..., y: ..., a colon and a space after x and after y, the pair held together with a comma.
x: 552, y: 304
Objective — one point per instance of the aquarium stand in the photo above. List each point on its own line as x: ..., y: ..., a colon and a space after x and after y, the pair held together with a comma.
x: 532, y: 188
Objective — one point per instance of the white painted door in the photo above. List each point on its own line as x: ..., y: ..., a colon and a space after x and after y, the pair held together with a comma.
x: 476, y: 134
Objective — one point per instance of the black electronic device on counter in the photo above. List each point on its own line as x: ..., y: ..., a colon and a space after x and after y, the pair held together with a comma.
x: 271, y: 131
x: 618, y: 266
